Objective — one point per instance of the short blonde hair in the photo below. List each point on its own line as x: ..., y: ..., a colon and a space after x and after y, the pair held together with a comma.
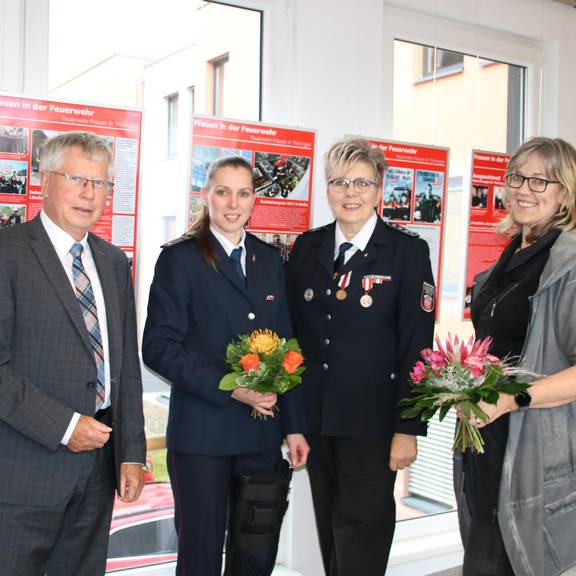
x: 348, y: 152
x: 559, y: 158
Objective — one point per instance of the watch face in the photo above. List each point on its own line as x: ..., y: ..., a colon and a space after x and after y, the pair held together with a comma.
x: 523, y: 399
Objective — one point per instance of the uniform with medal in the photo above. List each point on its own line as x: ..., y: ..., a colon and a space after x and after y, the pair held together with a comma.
x: 361, y: 328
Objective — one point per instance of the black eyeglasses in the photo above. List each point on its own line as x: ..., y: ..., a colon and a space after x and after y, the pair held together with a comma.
x: 535, y: 184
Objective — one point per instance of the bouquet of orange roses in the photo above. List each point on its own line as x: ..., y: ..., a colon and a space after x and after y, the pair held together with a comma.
x: 263, y: 362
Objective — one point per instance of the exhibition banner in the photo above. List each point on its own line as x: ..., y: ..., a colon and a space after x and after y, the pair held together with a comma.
x: 487, y: 208
x: 25, y: 124
x: 283, y: 160
x: 414, y: 194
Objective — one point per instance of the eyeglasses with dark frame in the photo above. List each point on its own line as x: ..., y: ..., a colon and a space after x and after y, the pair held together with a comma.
x: 535, y: 184
x: 341, y: 185
x: 102, y: 187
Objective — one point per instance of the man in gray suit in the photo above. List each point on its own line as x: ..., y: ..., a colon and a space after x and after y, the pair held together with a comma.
x: 71, y: 422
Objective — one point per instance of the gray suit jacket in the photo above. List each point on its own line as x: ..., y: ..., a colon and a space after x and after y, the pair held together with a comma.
x: 47, y: 369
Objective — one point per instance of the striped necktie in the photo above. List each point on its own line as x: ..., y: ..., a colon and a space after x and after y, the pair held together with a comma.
x: 87, y: 302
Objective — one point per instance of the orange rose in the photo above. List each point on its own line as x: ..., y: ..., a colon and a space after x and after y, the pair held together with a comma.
x: 291, y: 361
x: 250, y: 362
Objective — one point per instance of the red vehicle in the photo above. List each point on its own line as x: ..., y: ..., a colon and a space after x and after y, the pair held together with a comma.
x: 142, y: 533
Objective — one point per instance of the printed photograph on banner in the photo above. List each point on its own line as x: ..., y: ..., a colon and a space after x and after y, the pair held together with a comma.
x: 499, y: 197
x: 428, y: 202
x: 39, y: 137
x: 397, y: 194
x: 12, y: 214
x: 283, y: 243
x: 194, y: 206
x: 479, y: 198
x: 203, y: 156
x: 13, y: 174
x: 281, y: 176
x: 13, y: 140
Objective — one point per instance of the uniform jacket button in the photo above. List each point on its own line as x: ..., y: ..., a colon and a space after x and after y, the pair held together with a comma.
x: 251, y: 316
x: 325, y: 366
x: 328, y: 291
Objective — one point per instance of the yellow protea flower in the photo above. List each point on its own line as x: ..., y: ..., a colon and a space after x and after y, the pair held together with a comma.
x: 263, y: 342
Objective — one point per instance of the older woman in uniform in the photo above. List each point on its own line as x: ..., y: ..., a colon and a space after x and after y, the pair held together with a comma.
x: 362, y: 298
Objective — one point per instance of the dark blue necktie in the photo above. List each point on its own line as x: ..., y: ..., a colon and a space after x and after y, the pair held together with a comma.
x: 339, y: 262
x: 236, y: 257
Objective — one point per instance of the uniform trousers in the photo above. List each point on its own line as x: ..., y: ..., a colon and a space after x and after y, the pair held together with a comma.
x: 66, y: 539
x: 353, y: 494
x: 202, y: 487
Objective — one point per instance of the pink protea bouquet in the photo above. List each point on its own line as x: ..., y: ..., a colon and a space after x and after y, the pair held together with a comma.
x: 460, y: 373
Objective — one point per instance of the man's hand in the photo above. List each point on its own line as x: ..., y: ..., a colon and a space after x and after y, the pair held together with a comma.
x: 262, y: 402
x: 131, y: 482
x: 298, y: 450
x: 89, y: 434
x: 403, y: 451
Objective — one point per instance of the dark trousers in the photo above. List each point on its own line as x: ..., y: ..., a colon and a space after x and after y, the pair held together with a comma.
x: 484, y: 552
x: 353, y: 493
x: 202, y: 487
x: 67, y: 539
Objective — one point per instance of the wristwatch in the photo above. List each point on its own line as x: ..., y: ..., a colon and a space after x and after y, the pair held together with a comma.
x: 523, y: 400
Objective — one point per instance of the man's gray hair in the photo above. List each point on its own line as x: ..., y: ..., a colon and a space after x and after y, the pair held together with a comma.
x: 91, y: 146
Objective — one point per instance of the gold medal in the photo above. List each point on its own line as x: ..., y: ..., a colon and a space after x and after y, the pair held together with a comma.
x: 341, y: 294
x: 366, y: 301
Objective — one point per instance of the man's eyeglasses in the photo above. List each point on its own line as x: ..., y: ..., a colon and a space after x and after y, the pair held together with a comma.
x: 535, y: 184
x: 103, y: 187
x: 340, y: 185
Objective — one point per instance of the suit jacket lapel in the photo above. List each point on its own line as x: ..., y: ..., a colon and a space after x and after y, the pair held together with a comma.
x: 325, y: 252
x: 52, y: 267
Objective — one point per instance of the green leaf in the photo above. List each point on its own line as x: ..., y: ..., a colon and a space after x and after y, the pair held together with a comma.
x: 228, y: 382
x: 443, y: 411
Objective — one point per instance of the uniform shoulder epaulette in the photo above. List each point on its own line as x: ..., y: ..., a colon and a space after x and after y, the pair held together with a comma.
x: 402, y: 229
x: 319, y: 229
x: 176, y: 241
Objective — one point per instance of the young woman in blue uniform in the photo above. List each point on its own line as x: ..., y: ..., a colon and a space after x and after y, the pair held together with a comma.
x: 210, y: 286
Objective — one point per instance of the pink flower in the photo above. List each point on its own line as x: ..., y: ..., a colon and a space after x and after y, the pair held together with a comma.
x: 437, y: 361
x: 418, y: 373
x: 426, y: 354
x: 475, y: 365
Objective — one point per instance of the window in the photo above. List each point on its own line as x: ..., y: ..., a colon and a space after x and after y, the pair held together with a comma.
x: 156, y: 536
x: 437, y: 62
x: 462, y: 102
x: 171, y: 124
x: 218, y: 76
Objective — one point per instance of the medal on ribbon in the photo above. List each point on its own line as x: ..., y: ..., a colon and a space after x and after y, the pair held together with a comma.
x: 343, y: 283
x: 367, y: 284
